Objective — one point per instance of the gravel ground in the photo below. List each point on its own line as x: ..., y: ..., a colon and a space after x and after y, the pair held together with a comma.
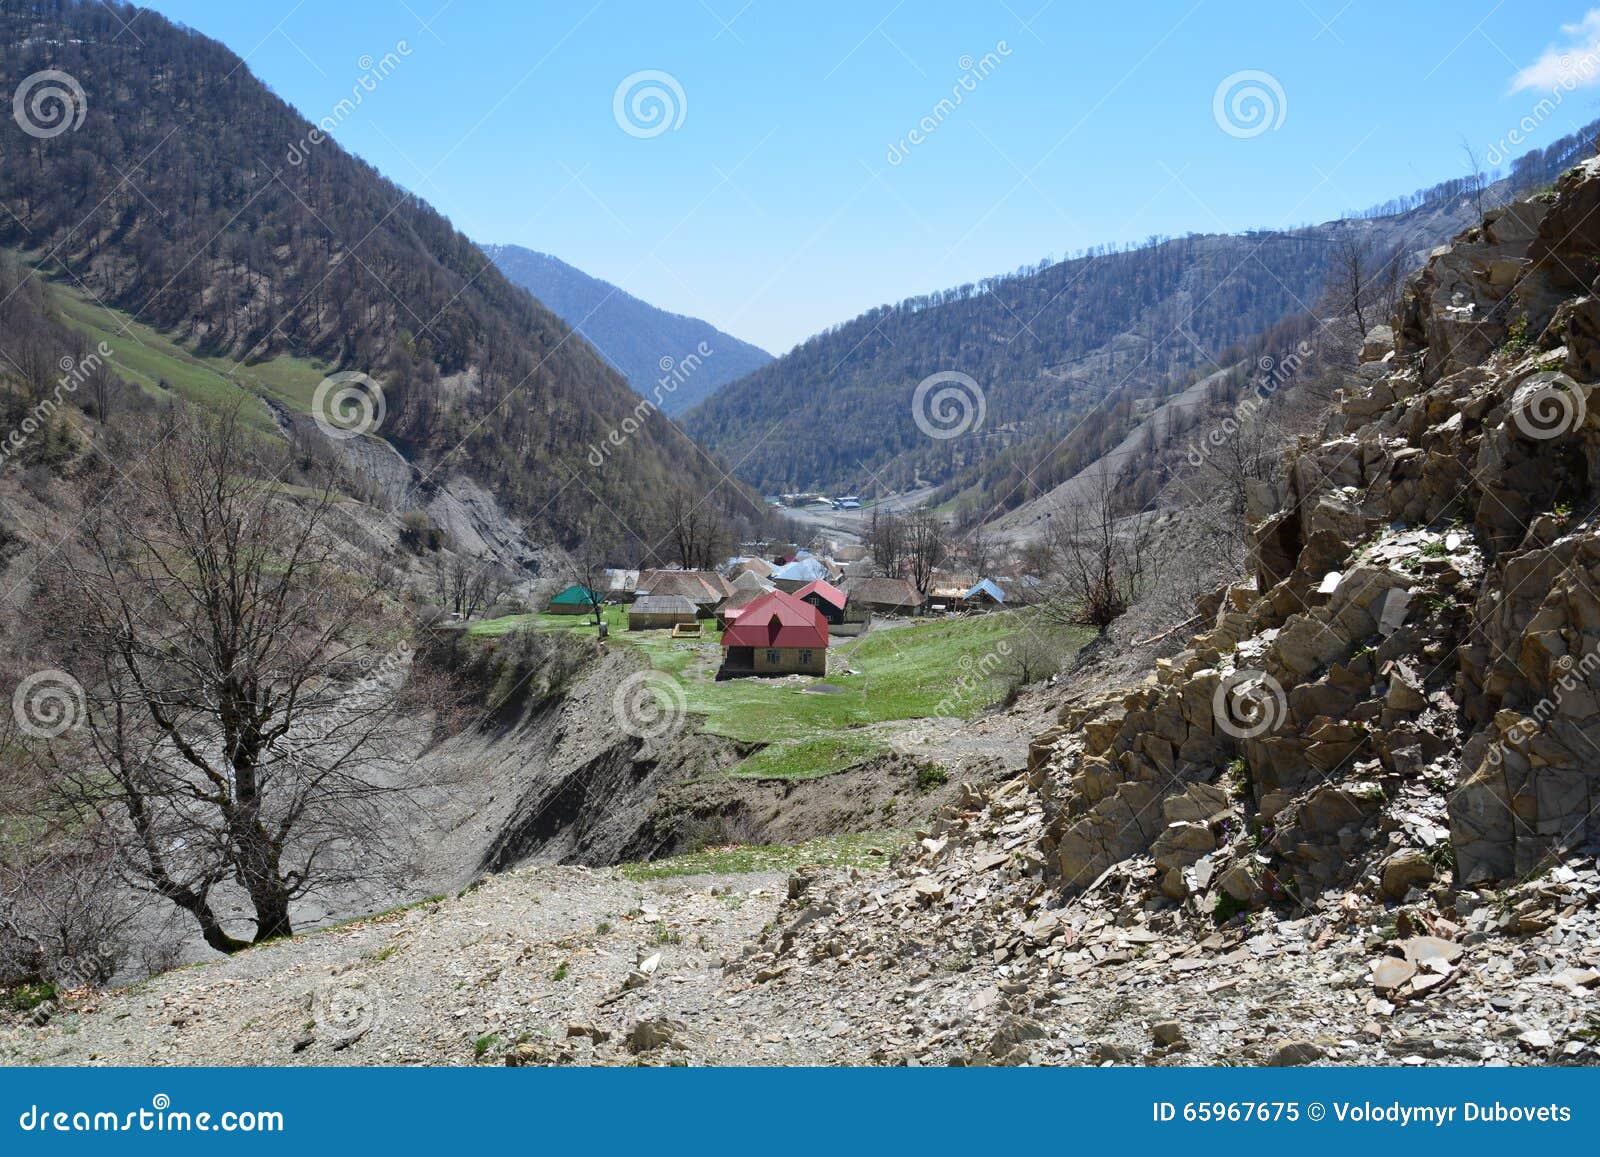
x: 566, y: 965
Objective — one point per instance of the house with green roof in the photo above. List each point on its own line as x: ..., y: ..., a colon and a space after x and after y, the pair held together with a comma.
x: 575, y: 600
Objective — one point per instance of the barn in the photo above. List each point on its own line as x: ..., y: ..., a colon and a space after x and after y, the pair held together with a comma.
x: 886, y: 596
x: 986, y: 595
x: 794, y: 575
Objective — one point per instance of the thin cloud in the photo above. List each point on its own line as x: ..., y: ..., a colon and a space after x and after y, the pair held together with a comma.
x: 1573, y: 64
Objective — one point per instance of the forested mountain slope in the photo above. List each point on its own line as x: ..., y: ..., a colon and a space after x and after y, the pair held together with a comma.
x: 198, y: 202
x: 1052, y: 345
x: 660, y: 353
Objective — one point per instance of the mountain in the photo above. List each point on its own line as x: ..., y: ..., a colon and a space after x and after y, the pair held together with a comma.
x: 654, y: 349
x: 1062, y: 357
x: 181, y: 191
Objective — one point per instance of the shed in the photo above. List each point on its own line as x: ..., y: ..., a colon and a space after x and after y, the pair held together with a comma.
x: 704, y: 588
x: 659, y: 612
x: 984, y: 595
x: 794, y: 575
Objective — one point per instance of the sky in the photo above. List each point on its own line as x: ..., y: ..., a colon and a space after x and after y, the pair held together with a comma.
x: 787, y: 166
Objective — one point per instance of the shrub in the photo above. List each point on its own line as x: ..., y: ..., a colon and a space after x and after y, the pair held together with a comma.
x: 418, y: 533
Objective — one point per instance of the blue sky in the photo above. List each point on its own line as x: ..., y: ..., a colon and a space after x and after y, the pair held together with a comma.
x: 771, y: 204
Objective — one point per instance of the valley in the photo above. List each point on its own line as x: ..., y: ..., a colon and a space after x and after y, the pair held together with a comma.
x: 1180, y: 653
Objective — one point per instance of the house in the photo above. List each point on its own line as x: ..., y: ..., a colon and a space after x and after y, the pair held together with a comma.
x: 660, y: 612
x: 946, y: 592
x: 759, y: 567
x: 775, y: 634
x: 886, y: 596
x: 619, y: 585
x: 734, y: 607
x: 826, y: 597
x: 746, y: 588
x: 793, y: 575
x: 751, y: 581
x: 847, y: 502
x: 849, y: 554
x: 985, y: 595
x: 704, y: 588
x: 575, y: 600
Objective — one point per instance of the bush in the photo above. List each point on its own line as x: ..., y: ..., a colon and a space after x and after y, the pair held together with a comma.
x: 63, y: 919
x: 418, y: 533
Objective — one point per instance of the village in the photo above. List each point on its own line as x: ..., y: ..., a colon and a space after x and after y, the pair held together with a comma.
x: 810, y: 656
x: 776, y: 608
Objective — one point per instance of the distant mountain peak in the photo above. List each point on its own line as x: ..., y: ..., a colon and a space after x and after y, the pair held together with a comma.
x: 677, y: 360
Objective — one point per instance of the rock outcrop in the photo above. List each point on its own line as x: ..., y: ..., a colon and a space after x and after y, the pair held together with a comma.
x: 1407, y: 690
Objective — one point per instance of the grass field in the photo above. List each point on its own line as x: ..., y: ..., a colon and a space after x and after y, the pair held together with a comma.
x: 154, y: 362
x: 949, y: 667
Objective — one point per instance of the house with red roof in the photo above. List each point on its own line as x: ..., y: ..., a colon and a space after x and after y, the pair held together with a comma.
x: 775, y: 634
x: 826, y: 597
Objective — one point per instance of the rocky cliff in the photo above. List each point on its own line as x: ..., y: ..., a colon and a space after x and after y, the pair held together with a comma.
x: 1406, y: 689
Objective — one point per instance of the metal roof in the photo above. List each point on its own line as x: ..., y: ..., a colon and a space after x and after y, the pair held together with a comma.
x: 777, y: 619
x: 662, y: 605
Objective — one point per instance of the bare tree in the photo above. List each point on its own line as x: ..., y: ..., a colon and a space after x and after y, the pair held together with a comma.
x: 696, y: 531
x: 1477, y: 182
x: 63, y: 918
x: 1031, y: 655
x: 927, y: 545
x: 1364, y: 285
x: 1098, y: 558
x: 886, y: 541
x: 589, y: 568
x: 976, y: 549
x: 466, y: 584
x: 236, y: 728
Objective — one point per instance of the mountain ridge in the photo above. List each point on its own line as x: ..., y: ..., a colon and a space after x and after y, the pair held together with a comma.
x: 272, y: 247
x: 646, y: 343
x: 1061, y: 353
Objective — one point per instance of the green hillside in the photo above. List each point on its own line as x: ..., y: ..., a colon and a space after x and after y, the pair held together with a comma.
x: 158, y: 364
